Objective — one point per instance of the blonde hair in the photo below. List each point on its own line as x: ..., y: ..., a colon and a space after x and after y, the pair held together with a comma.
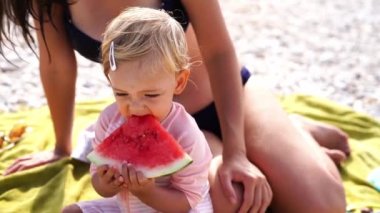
x: 149, y: 34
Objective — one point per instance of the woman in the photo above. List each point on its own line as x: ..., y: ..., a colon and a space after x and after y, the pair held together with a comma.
x: 263, y: 151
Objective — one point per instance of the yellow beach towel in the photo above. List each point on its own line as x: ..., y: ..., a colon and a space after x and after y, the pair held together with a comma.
x: 49, y: 188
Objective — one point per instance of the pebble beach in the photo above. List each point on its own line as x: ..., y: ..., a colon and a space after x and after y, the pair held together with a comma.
x: 329, y: 49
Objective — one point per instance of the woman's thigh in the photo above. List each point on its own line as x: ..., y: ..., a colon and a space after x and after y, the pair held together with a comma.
x: 302, y: 177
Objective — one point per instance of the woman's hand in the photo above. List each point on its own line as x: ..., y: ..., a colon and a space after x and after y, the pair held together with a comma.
x: 135, y: 181
x: 34, y: 160
x: 257, y: 192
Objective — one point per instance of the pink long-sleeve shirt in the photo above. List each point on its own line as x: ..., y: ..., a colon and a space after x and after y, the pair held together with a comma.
x: 192, y: 180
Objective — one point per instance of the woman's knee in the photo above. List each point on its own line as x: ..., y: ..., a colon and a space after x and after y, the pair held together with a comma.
x: 332, y: 200
x: 73, y: 208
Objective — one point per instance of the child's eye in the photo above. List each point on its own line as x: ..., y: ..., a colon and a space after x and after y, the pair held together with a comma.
x: 120, y: 94
x: 152, y: 95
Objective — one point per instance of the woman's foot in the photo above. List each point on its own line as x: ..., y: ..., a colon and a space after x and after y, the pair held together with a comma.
x: 333, y: 140
x: 337, y: 156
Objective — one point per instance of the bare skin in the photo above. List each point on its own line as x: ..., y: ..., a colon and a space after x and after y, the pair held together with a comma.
x: 262, y: 150
x: 333, y: 141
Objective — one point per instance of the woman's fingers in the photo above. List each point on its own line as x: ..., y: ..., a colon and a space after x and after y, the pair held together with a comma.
x: 13, y: 168
x: 258, y: 199
x: 24, y: 158
x: 265, y: 200
x: 227, y: 187
x: 22, y: 165
x: 32, y: 160
x: 268, y: 196
x: 249, y: 195
x: 257, y: 196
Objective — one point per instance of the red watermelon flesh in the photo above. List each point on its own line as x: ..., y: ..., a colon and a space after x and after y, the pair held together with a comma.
x: 144, y: 143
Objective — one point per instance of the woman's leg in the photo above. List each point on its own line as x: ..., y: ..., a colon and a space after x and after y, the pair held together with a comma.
x: 332, y: 140
x: 325, y: 134
x: 303, y: 178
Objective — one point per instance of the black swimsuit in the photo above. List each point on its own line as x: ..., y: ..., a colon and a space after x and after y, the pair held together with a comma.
x: 88, y: 47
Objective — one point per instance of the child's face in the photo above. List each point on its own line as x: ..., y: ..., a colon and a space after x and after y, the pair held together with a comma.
x: 140, y: 91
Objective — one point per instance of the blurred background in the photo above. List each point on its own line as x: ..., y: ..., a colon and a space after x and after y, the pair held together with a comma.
x: 324, y: 48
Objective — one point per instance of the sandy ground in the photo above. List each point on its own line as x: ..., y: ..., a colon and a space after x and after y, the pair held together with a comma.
x: 324, y: 48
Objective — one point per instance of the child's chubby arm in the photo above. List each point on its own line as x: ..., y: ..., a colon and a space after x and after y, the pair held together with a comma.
x: 163, y: 199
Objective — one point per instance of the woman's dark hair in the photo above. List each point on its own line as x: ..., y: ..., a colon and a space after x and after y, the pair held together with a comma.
x: 17, y: 13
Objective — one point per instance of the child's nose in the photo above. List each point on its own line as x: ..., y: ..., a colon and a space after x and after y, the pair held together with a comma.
x: 136, y: 108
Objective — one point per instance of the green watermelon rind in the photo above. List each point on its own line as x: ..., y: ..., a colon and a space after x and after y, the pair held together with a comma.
x: 159, y: 171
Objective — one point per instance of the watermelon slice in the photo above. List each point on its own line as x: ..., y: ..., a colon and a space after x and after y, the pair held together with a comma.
x: 144, y: 143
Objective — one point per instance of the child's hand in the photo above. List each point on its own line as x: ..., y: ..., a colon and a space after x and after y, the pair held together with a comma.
x: 135, y: 181
x: 109, y: 177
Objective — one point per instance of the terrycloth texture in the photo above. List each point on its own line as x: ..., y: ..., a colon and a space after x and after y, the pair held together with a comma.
x: 364, y: 134
x: 49, y: 188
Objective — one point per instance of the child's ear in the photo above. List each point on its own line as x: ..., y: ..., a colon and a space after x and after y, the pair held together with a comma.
x: 182, y: 77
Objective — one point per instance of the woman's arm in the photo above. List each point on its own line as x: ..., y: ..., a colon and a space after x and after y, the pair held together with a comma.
x: 58, y: 71
x: 223, y: 68
x: 58, y: 76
